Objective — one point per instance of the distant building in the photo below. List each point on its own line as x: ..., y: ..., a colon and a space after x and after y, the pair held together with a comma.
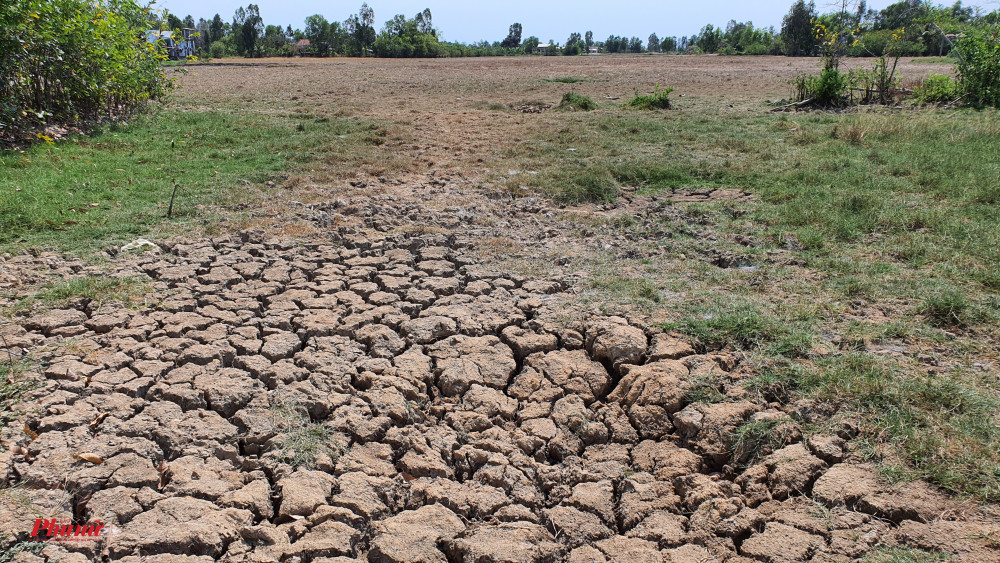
x: 594, y: 50
x: 176, y: 48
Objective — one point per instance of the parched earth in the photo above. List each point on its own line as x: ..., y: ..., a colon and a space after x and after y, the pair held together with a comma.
x: 391, y: 398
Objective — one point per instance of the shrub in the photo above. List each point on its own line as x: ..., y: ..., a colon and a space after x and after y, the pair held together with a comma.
x: 659, y: 99
x: 571, y: 101
x: 936, y: 89
x: 218, y: 50
x: 979, y: 67
x: 827, y: 89
x: 73, y: 61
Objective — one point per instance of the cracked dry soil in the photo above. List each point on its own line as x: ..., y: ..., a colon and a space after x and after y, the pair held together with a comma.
x: 391, y: 399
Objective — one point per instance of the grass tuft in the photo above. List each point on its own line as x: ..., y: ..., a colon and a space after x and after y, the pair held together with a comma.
x: 948, y: 308
x: 575, y: 102
x: 565, y: 80
x: 659, y: 99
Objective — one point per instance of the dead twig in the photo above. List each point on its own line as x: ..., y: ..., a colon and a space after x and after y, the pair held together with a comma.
x: 793, y: 105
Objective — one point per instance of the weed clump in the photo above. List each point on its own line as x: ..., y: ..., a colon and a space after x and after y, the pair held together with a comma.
x: 565, y: 80
x: 575, y: 102
x: 937, y: 89
x: 946, y: 309
x: 659, y: 99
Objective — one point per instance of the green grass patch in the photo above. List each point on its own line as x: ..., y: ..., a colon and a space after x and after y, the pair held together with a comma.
x: 576, y: 102
x: 114, y: 186
x: 745, y: 327
x: 758, y: 438
x: 13, y: 384
x: 659, y: 99
x: 129, y: 291
x: 566, y: 80
x: 904, y: 555
x: 939, y: 427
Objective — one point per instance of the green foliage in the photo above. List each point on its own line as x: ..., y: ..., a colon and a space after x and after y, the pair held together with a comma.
x: 659, y: 99
x: 73, y: 61
x: 513, y: 39
x: 408, y: 38
x: 882, y: 42
x: 979, y: 66
x: 936, y: 89
x: 797, y: 29
x: 575, y: 102
x: 565, y: 80
x: 827, y: 89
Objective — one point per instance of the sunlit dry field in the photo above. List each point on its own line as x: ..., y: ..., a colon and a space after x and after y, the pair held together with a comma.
x: 402, y: 310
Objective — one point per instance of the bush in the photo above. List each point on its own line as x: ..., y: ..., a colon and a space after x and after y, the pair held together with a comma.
x: 936, y: 89
x: 218, y: 50
x: 826, y: 89
x: 659, y: 99
x: 73, y: 61
x: 979, y: 67
x: 571, y: 101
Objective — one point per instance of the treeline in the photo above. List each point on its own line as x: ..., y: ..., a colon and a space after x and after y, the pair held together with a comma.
x: 926, y: 29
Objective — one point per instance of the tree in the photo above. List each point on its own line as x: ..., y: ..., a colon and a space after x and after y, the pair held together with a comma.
x: 217, y: 29
x: 588, y: 38
x: 188, y: 22
x: 316, y: 31
x: 653, y: 44
x: 361, y: 28
x: 408, y: 38
x: 796, y: 29
x: 530, y: 44
x: 250, y: 31
x: 668, y: 44
x: 174, y: 22
x: 513, y: 39
x: 710, y: 39
x: 425, y: 22
x: 635, y: 45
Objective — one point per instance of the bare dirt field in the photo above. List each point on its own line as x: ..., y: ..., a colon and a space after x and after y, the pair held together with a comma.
x: 410, y: 356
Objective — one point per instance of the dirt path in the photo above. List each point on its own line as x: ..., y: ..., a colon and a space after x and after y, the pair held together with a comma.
x: 384, y: 391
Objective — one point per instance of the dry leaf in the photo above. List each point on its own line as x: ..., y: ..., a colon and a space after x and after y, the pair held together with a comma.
x: 408, y: 477
x: 97, y: 421
x: 165, y: 474
x: 92, y: 458
x: 31, y: 433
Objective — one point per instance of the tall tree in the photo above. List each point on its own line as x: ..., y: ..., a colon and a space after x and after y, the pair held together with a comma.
x: 425, y: 22
x: 217, y: 29
x: 796, y: 29
x: 361, y: 28
x: 588, y: 38
x: 316, y: 31
x: 174, y: 22
x: 653, y: 44
x: 189, y: 22
x: 513, y: 39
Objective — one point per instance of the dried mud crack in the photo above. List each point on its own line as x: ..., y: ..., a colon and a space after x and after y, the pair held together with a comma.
x: 393, y: 400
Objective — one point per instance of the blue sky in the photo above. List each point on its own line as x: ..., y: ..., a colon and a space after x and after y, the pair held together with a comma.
x: 467, y: 21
